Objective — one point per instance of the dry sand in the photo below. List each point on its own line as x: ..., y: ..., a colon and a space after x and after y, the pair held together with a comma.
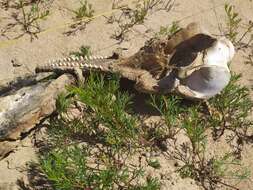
x: 52, y: 43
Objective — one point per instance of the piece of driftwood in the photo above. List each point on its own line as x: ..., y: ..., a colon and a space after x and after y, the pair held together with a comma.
x: 22, y: 108
x: 8, y: 86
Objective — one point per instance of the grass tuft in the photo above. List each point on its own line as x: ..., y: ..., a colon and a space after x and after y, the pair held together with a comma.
x: 84, y: 11
x: 111, y: 133
x: 82, y: 16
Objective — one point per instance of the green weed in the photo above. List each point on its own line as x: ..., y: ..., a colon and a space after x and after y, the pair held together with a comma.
x: 234, y: 23
x: 101, y: 162
x: 83, y: 15
x: 232, y: 107
x: 169, y: 108
x: 220, y: 167
x: 84, y: 11
x: 169, y: 30
x: 27, y: 14
x: 130, y: 17
x: 120, y: 127
x: 112, y: 115
x: 84, y: 51
x: 31, y: 17
x: 210, y: 172
x: 72, y: 168
x: 154, y: 163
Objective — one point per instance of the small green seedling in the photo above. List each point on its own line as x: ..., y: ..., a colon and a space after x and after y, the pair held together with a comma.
x: 84, y: 51
x: 169, y: 30
x: 83, y: 15
x: 84, y: 11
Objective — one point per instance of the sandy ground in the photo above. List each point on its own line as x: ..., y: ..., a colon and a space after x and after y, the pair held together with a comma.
x: 52, y: 43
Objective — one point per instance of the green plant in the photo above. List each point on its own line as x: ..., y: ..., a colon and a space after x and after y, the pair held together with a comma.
x: 195, y: 130
x: 62, y: 103
x: 234, y: 23
x: 84, y: 11
x: 210, y: 172
x: 119, y: 128
x: 28, y: 15
x: 151, y: 184
x: 30, y: 18
x: 72, y: 168
x: 130, y: 17
x: 170, y: 109
x: 84, y: 51
x: 232, y: 107
x: 83, y: 15
x: 112, y: 115
x: 216, y: 171
x: 220, y: 167
x: 169, y: 30
x: 154, y: 163
x: 100, y: 162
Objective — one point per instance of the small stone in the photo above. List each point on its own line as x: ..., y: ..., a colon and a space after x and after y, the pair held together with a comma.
x: 15, y: 63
